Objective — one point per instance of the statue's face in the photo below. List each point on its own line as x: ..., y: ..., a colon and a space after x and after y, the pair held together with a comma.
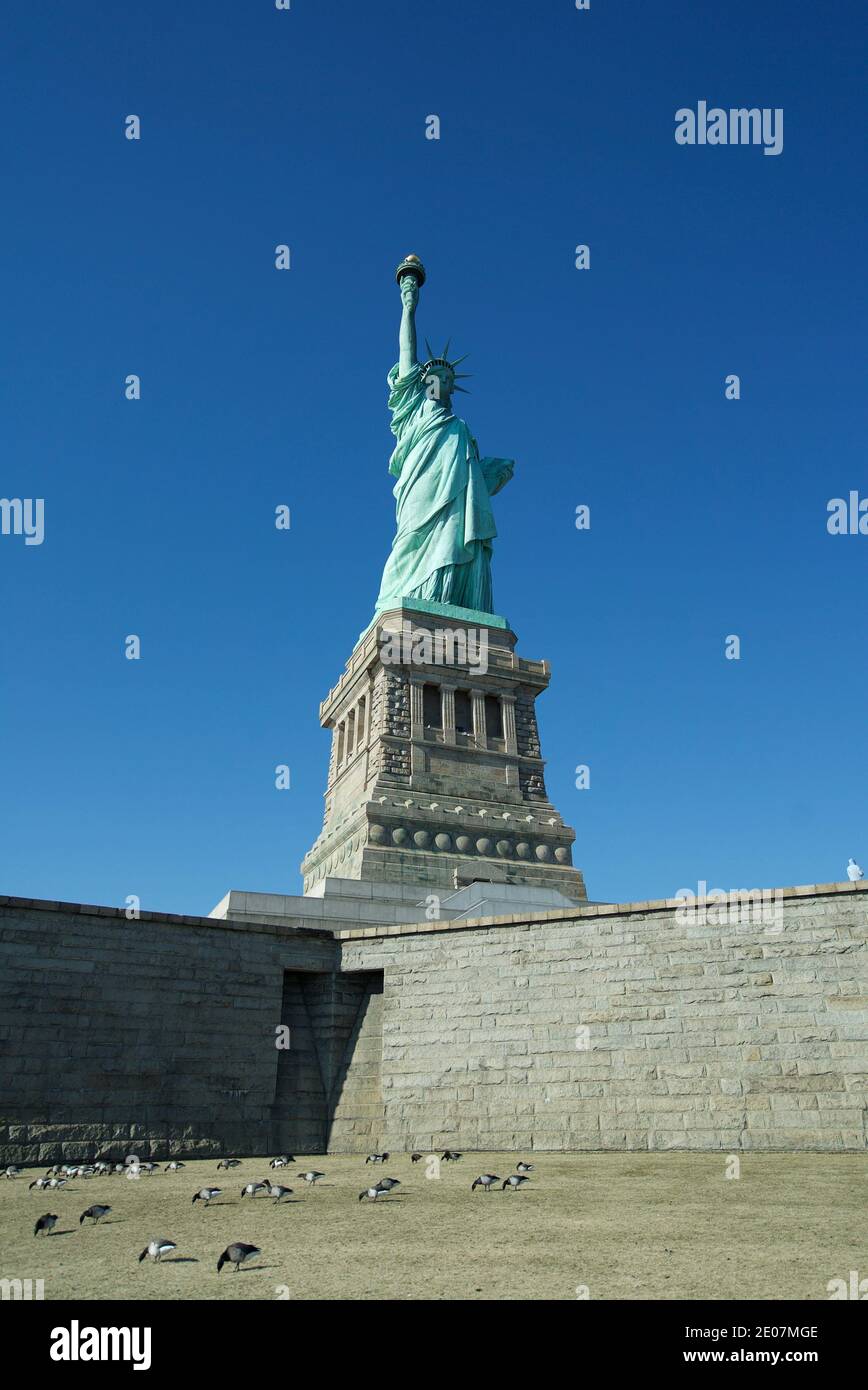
x: 439, y: 383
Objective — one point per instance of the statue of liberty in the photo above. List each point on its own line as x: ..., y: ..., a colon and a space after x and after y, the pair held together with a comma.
x: 445, y: 526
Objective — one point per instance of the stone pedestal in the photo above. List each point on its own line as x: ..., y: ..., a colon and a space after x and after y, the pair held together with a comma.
x: 436, y: 777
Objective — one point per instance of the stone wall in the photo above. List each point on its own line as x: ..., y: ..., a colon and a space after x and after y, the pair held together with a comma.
x: 698, y: 1036
x: 157, y: 1036
x: 356, y: 1100
x: 153, y: 1037
x: 329, y: 1087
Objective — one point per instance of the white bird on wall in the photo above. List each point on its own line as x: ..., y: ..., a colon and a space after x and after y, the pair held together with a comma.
x: 854, y: 873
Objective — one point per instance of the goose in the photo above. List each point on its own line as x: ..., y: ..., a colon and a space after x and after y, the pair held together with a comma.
x: 95, y: 1213
x: 376, y: 1158
x: 414, y: 1158
x: 229, y: 1163
x: 281, y: 1161
x: 252, y: 1188
x: 174, y: 1167
x: 12, y: 1171
x: 514, y: 1182
x: 388, y: 1183
x: 57, y: 1182
x: 486, y: 1181
x: 450, y: 1156
x: 102, y: 1168
x: 156, y: 1249
x: 236, y: 1254
x: 45, y: 1223
x: 120, y: 1168
x: 39, y: 1184
x: 524, y: 1167
x: 278, y: 1192
x: 373, y: 1193
x: 311, y: 1177
x: 207, y: 1194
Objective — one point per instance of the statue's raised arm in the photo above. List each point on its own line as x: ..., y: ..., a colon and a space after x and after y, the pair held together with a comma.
x: 407, y: 359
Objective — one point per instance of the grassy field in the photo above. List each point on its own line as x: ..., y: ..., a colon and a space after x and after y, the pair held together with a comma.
x: 624, y: 1225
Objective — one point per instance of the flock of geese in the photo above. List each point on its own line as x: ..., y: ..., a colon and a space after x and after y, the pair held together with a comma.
x: 238, y: 1253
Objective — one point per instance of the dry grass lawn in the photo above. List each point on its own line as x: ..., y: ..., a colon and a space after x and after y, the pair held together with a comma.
x: 627, y: 1226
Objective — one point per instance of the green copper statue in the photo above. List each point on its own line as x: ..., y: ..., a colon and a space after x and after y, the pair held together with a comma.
x: 442, y: 547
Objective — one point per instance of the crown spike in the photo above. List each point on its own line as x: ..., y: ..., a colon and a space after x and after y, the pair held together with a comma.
x: 459, y: 360
x: 445, y: 352
x: 461, y: 388
x: 428, y: 346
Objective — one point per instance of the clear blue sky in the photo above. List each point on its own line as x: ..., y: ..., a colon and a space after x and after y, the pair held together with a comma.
x: 259, y: 387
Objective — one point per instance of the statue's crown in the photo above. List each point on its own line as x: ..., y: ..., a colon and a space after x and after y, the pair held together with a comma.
x: 443, y: 361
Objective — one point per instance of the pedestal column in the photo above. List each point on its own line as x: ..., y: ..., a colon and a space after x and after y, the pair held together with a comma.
x: 510, y: 741
x: 447, y: 696
x: 479, y: 734
x: 417, y: 728
x: 417, y: 715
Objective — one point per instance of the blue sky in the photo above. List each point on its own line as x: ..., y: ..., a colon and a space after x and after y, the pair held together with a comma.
x: 708, y: 516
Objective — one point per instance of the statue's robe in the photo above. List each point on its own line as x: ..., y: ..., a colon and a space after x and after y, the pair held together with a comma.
x: 442, y: 546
